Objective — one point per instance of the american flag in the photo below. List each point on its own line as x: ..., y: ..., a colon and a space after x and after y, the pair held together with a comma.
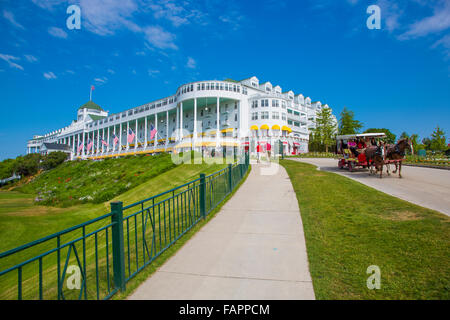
x: 130, y: 135
x: 153, y: 131
x: 80, y: 146
x: 89, y: 144
x: 116, y: 140
x: 104, y: 142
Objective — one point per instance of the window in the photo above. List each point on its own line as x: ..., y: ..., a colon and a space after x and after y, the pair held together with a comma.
x: 265, y: 115
x: 275, y: 115
x: 265, y: 103
x: 235, y: 117
x: 283, y: 116
x: 198, y: 86
x: 290, y: 111
x: 254, y: 115
x: 235, y: 105
x: 275, y: 103
x: 283, y: 104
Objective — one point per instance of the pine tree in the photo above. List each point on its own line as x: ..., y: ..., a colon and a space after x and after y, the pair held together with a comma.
x: 325, y: 130
x: 438, y: 140
x: 347, y: 123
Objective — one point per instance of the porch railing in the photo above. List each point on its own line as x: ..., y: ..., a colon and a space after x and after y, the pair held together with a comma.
x: 95, y: 259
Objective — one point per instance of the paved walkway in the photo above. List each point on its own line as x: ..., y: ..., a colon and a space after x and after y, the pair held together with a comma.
x: 426, y: 187
x: 253, y: 249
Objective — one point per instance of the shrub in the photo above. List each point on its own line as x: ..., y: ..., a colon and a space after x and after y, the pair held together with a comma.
x: 53, y: 160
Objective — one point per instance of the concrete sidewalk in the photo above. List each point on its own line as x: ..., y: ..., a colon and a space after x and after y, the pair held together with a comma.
x: 253, y: 249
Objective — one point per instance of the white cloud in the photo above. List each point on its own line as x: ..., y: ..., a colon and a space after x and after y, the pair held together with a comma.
x: 30, y: 58
x: 159, y: 38
x: 8, y: 15
x: 105, y: 17
x: 439, y: 21
x: 110, y: 71
x: 48, y: 4
x: 57, y: 32
x: 9, y: 59
x: 101, y: 80
x: 153, y: 73
x: 140, y: 53
x: 49, y: 75
x: 191, y: 64
x: 444, y: 43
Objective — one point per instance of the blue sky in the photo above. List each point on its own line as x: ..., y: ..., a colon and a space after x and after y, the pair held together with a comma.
x: 136, y: 51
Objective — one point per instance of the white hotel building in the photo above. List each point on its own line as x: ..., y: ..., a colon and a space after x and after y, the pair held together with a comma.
x: 200, y: 115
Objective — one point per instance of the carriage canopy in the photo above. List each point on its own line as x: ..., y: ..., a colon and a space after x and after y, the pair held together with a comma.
x: 360, y: 135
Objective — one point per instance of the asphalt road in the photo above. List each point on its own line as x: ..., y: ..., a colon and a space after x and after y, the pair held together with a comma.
x: 426, y: 187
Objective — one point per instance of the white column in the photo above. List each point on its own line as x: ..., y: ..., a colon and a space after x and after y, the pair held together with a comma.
x: 120, y: 138
x: 177, y: 137
x: 107, y: 147
x: 218, y: 121
x: 145, y: 133
x: 156, y: 127
x: 136, y: 141
x: 98, y: 140
x: 73, y: 144
x: 83, y: 151
x: 195, y: 119
x: 126, y: 135
x: 181, y: 121
x: 167, y: 128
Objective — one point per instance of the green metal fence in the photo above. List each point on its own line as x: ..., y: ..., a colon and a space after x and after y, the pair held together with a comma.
x: 95, y: 259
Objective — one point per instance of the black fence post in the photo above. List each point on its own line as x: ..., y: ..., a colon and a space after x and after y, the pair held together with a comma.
x: 117, y: 243
x: 203, y: 195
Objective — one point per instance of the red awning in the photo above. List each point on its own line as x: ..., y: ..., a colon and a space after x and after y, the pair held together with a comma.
x: 296, y: 144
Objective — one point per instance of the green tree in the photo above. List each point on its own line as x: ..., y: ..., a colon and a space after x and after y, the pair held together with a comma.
x: 438, y: 140
x: 427, y: 143
x: 404, y: 135
x: 414, y: 140
x: 54, y: 159
x: 27, y: 165
x: 325, y: 130
x: 347, y: 123
x: 390, y: 137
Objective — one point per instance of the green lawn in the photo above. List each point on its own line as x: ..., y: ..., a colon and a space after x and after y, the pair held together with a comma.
x: 349, y: 226
x: 77, y: 182
x: 21, y: 221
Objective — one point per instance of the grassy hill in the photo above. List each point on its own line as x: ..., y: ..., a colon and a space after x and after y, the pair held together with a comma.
x: 22, y: 221
x: 77, y: 182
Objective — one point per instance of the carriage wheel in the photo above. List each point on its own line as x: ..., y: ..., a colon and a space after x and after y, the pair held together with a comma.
x: 350, y: 166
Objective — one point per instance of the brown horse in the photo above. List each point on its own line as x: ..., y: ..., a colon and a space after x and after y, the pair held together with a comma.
x: 397, y: 152
x: 374, y: 156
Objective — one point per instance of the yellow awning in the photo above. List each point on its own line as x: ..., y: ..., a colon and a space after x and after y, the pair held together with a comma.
x: 264, y: 127
x: 254, y: 127
x: 286, y: 128
x: 228, y: 130
x: 205, y: 144
x: 229, y: 144
x: 275, y: 127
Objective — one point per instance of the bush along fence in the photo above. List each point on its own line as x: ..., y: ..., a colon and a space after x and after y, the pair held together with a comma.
x: 96, y: 259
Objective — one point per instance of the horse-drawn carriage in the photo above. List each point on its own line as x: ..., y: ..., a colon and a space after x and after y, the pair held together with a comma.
x: 368, y: 150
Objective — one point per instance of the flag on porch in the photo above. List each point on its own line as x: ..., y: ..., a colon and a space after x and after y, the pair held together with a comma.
x: 104, y: 142
x: 116, y: 140
x: 131, y: 135
x: 89, y: 145
x: 80, y: 146
x: 153, y: 131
